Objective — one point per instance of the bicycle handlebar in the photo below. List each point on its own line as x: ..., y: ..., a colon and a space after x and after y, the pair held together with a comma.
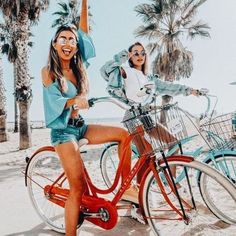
x: 120, y: 104
x: 148, y: 107
x: 209, y: 109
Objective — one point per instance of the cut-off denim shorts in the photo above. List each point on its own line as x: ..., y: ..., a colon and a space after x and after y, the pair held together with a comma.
x: 70, y: 133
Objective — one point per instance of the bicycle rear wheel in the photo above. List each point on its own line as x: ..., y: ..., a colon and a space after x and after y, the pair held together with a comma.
x: 201, y: 219
x: 43, y: 169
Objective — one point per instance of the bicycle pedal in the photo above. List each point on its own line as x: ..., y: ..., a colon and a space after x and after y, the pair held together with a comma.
x: 136, y: 215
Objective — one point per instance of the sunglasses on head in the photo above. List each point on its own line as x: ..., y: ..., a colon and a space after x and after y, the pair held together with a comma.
x: 63, y: 41
x: 137, y: 54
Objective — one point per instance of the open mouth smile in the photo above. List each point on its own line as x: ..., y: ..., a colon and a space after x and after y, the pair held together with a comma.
x: 66, y: 51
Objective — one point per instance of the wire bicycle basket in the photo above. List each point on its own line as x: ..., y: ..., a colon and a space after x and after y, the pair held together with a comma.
x: 151, y: 136
x: 220, y: 131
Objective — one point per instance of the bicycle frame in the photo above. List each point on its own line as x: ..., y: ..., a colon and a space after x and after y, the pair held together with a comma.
x: 210, y: 157
x: 94, y: 207
x: 157, y: 178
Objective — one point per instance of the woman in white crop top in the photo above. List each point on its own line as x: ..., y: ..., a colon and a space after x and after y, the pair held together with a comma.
x: 131, y: 78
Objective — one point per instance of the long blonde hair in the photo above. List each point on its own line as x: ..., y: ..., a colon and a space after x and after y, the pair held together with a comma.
x: 145, y: 65
x: 76, y: 64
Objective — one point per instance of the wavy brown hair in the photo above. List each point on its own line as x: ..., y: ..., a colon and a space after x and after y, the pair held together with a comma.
x: 145, y: 65
x: 76, y: 64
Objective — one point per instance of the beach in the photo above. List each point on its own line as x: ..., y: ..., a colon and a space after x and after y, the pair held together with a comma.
x: 18, y: 217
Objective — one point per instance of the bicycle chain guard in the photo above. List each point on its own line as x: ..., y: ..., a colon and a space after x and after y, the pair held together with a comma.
x: 107, y: 212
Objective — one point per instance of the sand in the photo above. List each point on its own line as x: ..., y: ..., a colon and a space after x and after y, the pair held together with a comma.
x: 17, y: 216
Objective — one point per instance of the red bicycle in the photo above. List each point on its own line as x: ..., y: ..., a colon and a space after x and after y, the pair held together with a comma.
x: 195, y: 206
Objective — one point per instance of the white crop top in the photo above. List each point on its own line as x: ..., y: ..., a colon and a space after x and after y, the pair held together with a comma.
x: 135, y: 79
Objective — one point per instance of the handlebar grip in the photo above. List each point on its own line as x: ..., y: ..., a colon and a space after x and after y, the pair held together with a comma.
x: 91, y: 102
x: 203, y: 92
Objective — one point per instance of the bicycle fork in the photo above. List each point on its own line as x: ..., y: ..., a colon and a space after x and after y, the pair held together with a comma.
x: 171, y: 183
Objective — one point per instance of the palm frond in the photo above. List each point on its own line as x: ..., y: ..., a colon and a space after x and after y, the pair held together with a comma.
x: 153, y: 47
x: 145, y: 31
x: 57, y: 22
x: 64, y: 6
x: 30, y: 44
x: 176, y: 34
x: 30, y: 34
x: 199, y: 29
x: 146, y: 12
x: 200, y: 3
x: 5, y: 48
x: 61, y: 14
x: 190, y: 9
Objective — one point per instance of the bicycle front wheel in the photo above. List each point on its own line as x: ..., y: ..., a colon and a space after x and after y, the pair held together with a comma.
x: 42, y: 170
x: 225, y: 163
x: 196, y: 218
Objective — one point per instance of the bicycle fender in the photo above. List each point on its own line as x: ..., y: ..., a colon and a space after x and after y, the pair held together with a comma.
x: 218, y: 153
x: 44, y: 148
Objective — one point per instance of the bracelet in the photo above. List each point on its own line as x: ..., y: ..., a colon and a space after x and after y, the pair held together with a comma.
x: 75, y: 107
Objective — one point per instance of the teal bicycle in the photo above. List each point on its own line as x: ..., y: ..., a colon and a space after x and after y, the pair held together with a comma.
x: 216, y: 132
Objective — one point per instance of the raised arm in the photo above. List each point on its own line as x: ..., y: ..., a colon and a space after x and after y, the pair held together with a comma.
x: 84, y: 25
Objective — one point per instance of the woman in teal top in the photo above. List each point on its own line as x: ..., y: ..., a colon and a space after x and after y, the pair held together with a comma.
x: 65, y: 87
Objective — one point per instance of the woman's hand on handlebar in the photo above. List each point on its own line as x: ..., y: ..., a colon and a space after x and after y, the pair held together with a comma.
x: 195, y: 92
x: 199, y: 92
x: 81, y: 103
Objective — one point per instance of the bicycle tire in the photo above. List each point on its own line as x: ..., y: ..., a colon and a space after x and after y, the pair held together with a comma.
x: 226, y: 164
x: 109, y: 162
x: 43, y: 169
x: 203, y: 219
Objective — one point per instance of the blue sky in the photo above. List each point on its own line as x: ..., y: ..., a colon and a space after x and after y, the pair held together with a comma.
x: 114, y: 23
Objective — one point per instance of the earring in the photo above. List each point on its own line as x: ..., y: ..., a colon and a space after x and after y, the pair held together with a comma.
x: 75, y: 58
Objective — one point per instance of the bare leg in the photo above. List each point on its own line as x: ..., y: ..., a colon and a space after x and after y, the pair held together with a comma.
x: 143, y: 147
x: 97, y: 134
x: 161, y: 133
x: 71, y: 162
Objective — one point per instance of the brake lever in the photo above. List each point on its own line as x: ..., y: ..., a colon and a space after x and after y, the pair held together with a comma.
x: 91, y: 102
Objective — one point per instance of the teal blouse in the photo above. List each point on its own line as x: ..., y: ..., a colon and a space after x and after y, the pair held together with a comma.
x: 86, y: 46
x: 56, y: 116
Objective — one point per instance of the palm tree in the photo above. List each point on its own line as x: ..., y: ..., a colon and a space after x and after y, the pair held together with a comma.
x: 8, y: 48
x: 3, y: 113
x: 68, y: 14
x: 166, y: 23
x: 22, y: 14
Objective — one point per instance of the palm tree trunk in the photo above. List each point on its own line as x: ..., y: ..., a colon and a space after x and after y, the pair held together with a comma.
x: 23, y: 86
x: 3, y: 114
x: 25, y: 131
x: 16, y: 126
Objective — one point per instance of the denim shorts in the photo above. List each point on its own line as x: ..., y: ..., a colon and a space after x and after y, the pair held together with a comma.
x: 70, y: 133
